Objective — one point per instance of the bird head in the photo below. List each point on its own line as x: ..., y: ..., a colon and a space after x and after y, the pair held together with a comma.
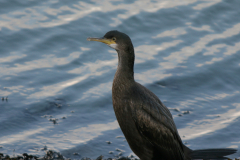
x: 115, y: 39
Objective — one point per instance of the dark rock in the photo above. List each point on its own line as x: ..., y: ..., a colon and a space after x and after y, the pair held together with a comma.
x: 100, y: 158
x: 19, y: 157
x: 123, y: 158
x: 7, y: 157
x: 85, y: 158
x: 185, y: 112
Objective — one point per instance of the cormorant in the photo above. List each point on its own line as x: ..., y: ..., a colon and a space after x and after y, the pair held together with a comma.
x: 144, y: 120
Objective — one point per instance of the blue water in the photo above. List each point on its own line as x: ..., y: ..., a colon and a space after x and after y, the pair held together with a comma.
x: 187, y: 53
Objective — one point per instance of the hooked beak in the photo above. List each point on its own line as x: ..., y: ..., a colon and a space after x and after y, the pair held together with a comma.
x: 103, y: 40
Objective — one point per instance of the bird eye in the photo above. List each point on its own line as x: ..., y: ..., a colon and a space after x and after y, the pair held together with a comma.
x: 114, y: 39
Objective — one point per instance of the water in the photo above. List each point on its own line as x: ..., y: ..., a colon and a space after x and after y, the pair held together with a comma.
x: 187, y: 53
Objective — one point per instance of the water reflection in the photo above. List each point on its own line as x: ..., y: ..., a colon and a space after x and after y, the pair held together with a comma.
x: 42, y: 16
x: 182, y: 55
x: 206, y: 4
x: 205, y: 126
x: 48, y: 61
x: 13, y: 56
x: 216, y: 122
x: 179, y: 44
x: 147, y: 52
x: 171, y: 33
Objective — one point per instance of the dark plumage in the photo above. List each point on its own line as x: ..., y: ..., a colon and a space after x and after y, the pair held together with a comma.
x: 145, y: 121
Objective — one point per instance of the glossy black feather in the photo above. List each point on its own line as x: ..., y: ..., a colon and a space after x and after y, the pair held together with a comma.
x: 144, y: 120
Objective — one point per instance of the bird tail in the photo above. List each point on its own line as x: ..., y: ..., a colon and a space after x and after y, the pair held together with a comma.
x: 216, y: 154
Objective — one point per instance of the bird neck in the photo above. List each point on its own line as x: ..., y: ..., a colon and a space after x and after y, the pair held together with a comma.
x: 125, y: 70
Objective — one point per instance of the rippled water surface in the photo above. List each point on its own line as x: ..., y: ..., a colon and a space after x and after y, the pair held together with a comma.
x: 187, y: 53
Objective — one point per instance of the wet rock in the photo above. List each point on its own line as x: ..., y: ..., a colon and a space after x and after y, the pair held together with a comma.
x: 7, y: 157
x: 174, y: 109
x: 123, y: 158
x: 119, y: 150
x: 75, y: 153
x: 30, y: 156
x: 72, y: 111
x: 108, y: 142
x: 52, y: 155
x: 58, y: 105
x: 86, y: 158
x: 44, y: 148
x: 131, y: 156
x: 110, y: 152
x: 25, y: 155
x: 19, y: 157
x: 46, y: 116
x: 100, y: 158
x: 186, y: 112
x: 180, y: 115
x: 119, y: 137
x: 63, y: 117
x: 54, y: 120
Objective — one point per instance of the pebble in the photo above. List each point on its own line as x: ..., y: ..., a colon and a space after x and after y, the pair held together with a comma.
x: 131, y: 156
x: 100, y: 157
x: 124, y: 158
x: 7, y: 157
x: 54, y: 120
x: 119, y: 150
x: 44, y: 148
x: 59, y: 105
x: 86, y: 158
x: 186, y: 112
x: 25, y: 155
x: 174, y: 109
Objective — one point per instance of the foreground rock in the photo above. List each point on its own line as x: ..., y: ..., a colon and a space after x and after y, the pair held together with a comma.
x: 52, y: 155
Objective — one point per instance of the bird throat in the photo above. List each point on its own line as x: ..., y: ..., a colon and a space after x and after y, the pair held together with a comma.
x: 125, y: 70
